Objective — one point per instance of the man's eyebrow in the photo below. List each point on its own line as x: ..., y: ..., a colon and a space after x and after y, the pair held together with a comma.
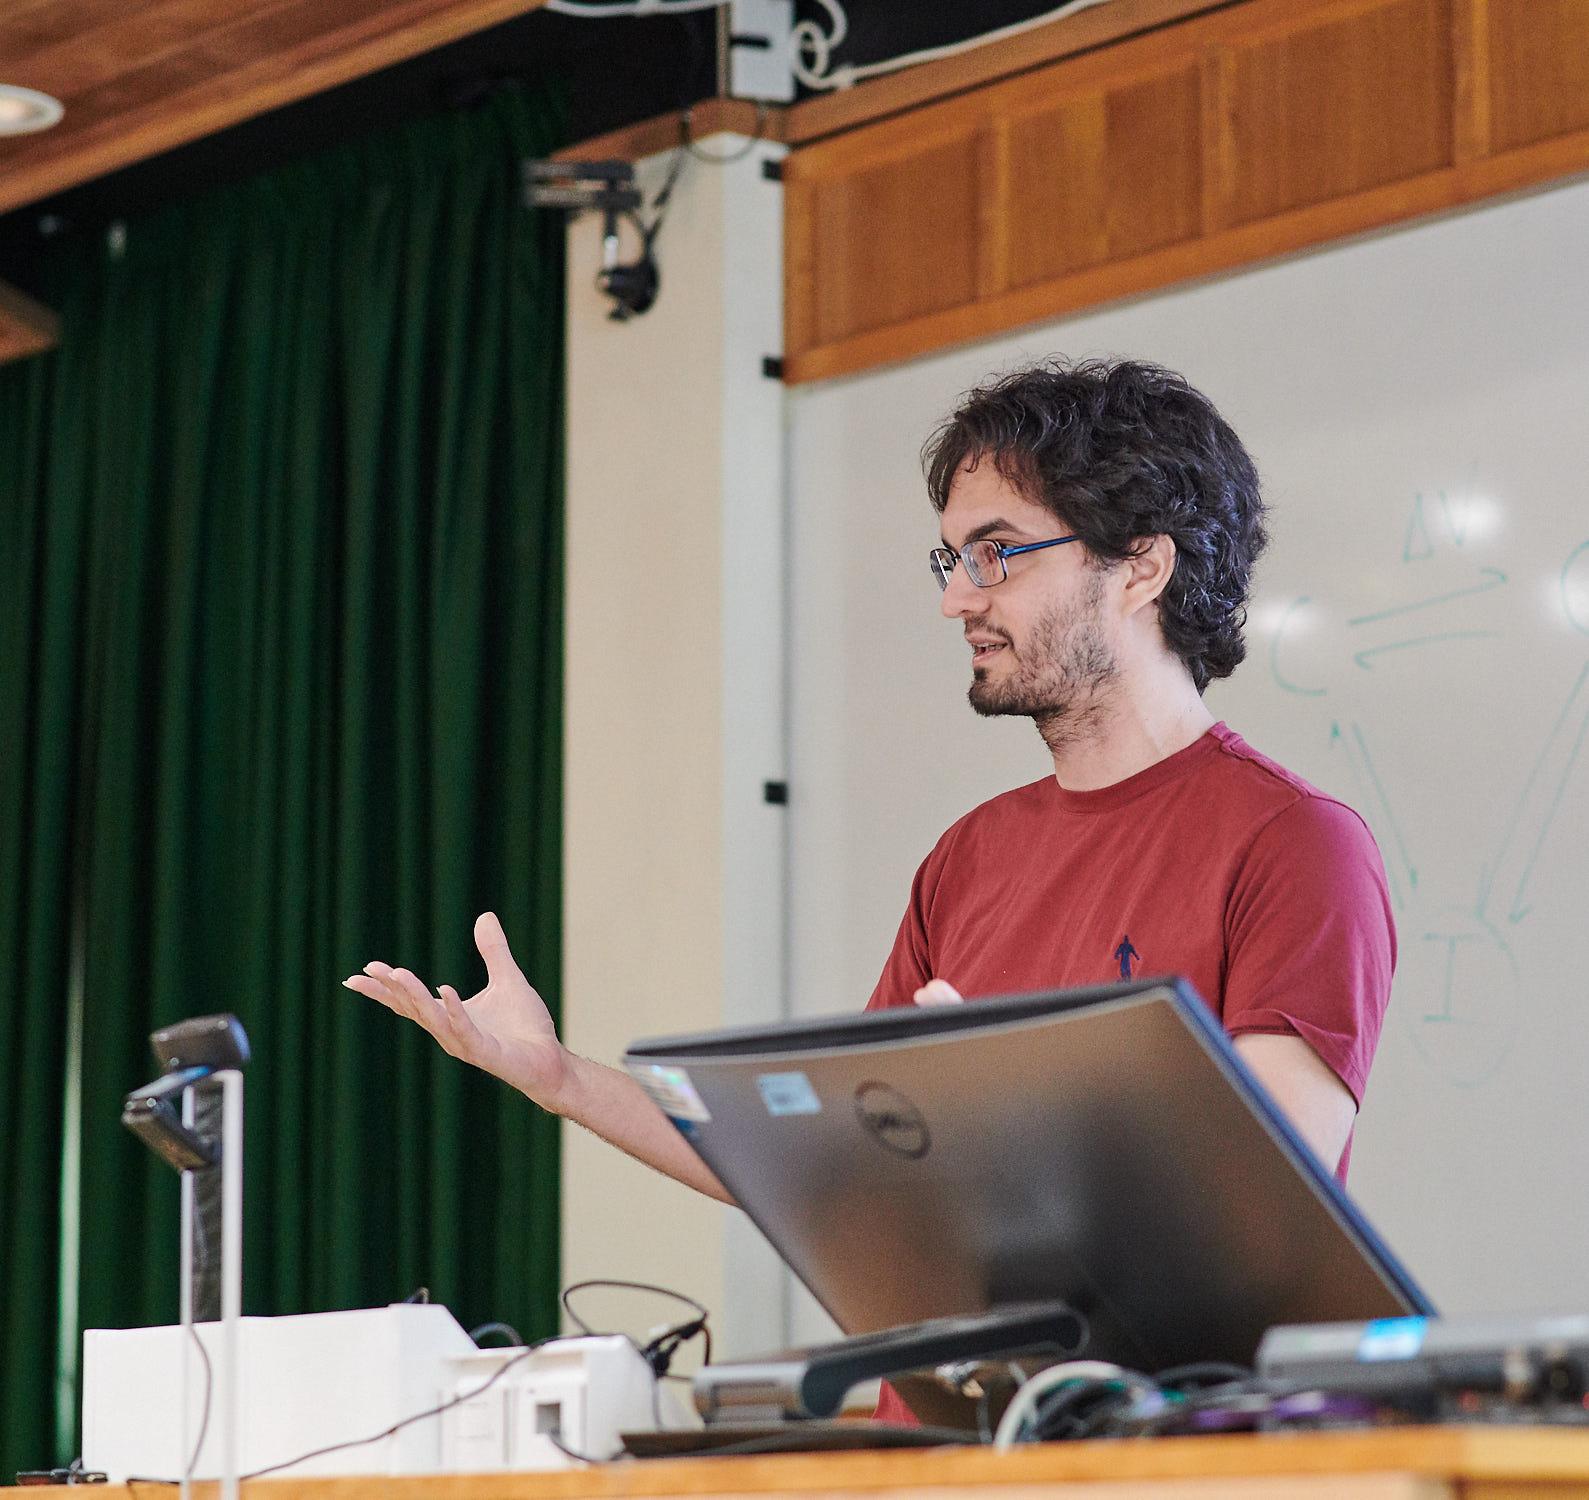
x: 987, y: 528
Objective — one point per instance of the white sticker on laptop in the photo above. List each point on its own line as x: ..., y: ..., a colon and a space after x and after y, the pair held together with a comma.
x: 671, y: 1091
x: 788, y: 1094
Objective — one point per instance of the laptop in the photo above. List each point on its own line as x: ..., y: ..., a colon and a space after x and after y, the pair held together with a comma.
x: 1105, y: 1146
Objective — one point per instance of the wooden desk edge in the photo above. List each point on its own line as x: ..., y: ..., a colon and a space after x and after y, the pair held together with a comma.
x: 1522, y: 1455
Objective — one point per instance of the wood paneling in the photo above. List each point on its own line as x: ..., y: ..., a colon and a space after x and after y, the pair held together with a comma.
x: 1260, y: 129
x: 140, y: 79
x: 874, y: 99
x: 25, y: 327
x: 1105, y: 175
x: 904, y: 231
x: 1350, y: 99
x: 1539, y: 69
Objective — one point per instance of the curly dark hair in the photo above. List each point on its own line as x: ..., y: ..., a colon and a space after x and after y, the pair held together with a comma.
x: 1122, y: 451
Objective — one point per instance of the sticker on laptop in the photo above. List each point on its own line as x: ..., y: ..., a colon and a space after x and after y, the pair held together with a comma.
x: 788, y: 1094
x: 671, y: 1091
x: 1392, y: 1338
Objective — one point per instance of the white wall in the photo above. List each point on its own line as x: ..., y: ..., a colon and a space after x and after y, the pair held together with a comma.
x: 674, y: 863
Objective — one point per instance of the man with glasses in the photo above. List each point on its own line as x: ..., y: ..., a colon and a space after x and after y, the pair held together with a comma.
x: 1099, y: 526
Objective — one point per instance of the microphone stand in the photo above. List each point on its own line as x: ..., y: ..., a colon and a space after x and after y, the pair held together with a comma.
x: 203, y: 1056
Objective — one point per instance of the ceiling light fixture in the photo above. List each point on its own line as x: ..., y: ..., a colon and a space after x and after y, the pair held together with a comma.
x: 22, y: 111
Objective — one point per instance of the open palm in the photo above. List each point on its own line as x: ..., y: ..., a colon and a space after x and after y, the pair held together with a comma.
x: 505, y: 1029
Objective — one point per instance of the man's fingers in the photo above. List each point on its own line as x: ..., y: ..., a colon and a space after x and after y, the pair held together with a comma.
x: 392, y: 996
x: 401, y: 991
x: 938, y: 992
x: 492, y: 942
x: 456, y: 1017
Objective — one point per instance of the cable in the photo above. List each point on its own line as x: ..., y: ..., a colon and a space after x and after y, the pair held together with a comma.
x: 687, y: 138
x: 1019, y: 1412
x: 505, y: 1330
x: 592, y: 12
x: 419, y: 1416
x: 204, y: 1419
x: 809, y: 35
x: 657, y: 1354
x: 626, y: 1286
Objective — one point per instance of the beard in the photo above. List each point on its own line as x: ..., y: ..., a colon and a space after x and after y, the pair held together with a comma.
x: 1059, y: 673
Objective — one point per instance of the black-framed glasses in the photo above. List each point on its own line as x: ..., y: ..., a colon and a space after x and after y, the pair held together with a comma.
x: 984, y: 559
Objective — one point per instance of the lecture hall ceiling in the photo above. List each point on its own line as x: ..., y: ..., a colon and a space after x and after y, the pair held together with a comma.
x: 140, y: 79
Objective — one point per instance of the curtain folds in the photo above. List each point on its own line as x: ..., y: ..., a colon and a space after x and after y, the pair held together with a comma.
x: 280, y: 691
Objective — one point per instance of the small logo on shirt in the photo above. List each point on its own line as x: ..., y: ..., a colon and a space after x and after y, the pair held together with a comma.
x: 1125, y: 953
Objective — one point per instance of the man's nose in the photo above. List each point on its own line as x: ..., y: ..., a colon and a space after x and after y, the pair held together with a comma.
x: 961, y: 597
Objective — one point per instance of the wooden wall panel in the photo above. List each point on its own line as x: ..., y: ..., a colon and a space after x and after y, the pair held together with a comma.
x: 897, y: 238
x: 1334, y: 104
x: 1538, y: 69
x: 1104, y: 175
x: 1235, y: 136
x: 25, y: 327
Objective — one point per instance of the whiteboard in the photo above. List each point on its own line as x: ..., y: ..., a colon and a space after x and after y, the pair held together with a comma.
x: 1418, y: 406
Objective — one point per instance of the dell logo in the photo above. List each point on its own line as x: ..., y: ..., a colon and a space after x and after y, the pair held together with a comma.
x: 892, y: 1120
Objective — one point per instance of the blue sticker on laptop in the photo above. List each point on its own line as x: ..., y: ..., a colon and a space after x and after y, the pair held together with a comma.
x: 788, y: 1094
x: 1392, y: 1338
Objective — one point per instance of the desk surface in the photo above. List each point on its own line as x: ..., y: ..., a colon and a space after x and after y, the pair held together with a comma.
x: 1525, y: 1463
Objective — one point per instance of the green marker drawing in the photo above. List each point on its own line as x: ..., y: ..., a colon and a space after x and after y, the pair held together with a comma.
x: 1496, y: 579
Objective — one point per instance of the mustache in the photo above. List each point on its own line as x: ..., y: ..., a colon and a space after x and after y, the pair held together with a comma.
x: 981, y: 627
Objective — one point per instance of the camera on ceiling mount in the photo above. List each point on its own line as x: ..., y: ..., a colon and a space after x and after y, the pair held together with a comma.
x: 607, y: 188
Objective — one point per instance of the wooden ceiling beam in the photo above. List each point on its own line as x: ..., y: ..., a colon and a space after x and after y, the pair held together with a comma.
x: 662, y: 132
x: 192, y: 79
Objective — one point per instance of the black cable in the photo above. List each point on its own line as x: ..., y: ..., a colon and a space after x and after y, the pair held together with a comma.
x: 662, y: 1348
x: 419, y: 1416
x: 687, y: 139
x: 204, y: 1419
x: 1065, y: 1413
x: 628, y: 1286
x: 1208, y: 1372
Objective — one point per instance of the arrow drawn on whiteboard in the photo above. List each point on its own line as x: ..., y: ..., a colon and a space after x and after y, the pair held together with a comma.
x: 1540, y: 798
x: 1495, y: 578
x: 1361, y: 658
x: 1363, y: 769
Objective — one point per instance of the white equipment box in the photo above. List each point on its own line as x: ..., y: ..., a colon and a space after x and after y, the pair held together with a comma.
x: 321, y: 1379
x: 585, y: 1392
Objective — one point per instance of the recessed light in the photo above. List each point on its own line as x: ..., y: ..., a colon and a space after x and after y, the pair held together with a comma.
x: 22, y: 111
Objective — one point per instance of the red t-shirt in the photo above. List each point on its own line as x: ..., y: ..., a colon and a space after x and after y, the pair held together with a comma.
x: 1215, y: 864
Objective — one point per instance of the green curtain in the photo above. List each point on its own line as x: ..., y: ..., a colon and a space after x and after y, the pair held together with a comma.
x: 280, y: 692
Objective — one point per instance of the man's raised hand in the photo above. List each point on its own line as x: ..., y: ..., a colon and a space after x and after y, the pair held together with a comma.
x: 506, y: 1029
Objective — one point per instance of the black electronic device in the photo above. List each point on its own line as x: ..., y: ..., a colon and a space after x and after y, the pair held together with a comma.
x: 800, y: 1384
x: 607, y: 188
x: 1104, y: 1147
x: 1439, y: 1369
x: 192, y: 1052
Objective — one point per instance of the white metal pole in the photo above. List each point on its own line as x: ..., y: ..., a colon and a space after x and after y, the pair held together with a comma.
x: 185, y: 1303
x: 231, y: 1271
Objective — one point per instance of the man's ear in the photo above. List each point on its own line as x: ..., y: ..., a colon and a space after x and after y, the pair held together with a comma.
x: 1147, y: 572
